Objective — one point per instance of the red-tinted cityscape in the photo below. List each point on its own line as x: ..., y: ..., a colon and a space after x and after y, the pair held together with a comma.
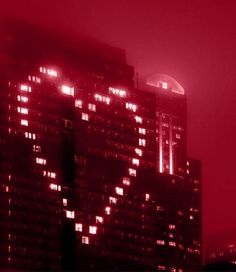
x: 97, y: 141
x: 94, y: 169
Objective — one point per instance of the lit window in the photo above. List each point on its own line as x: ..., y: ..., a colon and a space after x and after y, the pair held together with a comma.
x: 67, y: 90
x: 6, y: 188
x: 138, y: 119
x: 126, y: 181
x: 112, y: 200
x: 171, y: 226
x: 191, y: 217
x: 130, y: 106
x: 36, y: 148
x: 187, y: 171
x: 34, y: 79
x: 85, y: 116
x: 119, y: 191
x: 142, y: 142
x: 50, y: 72
x: 78, y: 104
x: 30, y: 135
x: 70, y: 214
x: 135, y: 161
x: 138, y: 151
x: 102, y: 98
x: 22, y: 98
x: 164, y: 85
x: 22, y: 110
x: 160, y: 242
x: 108, y: 210
x: 92, y: 229
x: 99, y: 219
x: 64, y: 202
x: 142, y: 131
x: 52, y: 175
x: 132, y: 172
x: 85, y: 240
x: 147, y: 197
x: 177, y: 136
x: 91, y: 107
x: 172, y: 244
x: 172, y: 269
x: 24, y: 122
x: 25, y: 88
x: 49, y: 174
x: 171, y: 235
x: 55, y: 187
x: 78, y: 227
x: 41, y: 161
x: 117, y: 92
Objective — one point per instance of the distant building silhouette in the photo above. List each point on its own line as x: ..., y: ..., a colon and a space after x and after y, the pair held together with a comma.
x: 94, y: 173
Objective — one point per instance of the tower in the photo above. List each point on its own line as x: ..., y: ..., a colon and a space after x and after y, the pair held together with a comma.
x: 94, y: 171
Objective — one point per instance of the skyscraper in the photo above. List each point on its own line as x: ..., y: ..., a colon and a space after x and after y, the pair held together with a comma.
x: 94, y: 171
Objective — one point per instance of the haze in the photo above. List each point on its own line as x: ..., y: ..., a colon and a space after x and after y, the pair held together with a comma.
x: 192, y: 41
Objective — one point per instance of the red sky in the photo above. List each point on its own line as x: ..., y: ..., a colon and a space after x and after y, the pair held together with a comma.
x: 192, y: 41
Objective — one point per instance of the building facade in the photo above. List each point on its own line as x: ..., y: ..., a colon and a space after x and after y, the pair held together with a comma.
x: 94, y: 171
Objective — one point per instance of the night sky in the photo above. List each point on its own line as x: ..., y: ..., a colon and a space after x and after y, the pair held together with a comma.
x: 193, y: 41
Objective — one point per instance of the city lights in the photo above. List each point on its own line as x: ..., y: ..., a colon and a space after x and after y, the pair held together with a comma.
x: 82, y: 153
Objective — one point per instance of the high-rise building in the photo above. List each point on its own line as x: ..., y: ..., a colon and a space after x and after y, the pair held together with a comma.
x: 94, y: 173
